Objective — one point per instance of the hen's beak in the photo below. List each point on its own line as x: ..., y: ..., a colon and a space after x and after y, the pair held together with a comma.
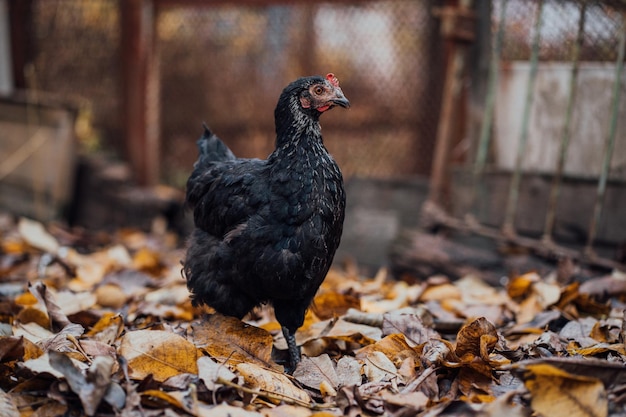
x: 340, y: 99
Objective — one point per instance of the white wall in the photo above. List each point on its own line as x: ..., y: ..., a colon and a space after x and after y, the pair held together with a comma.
x: 590, y: 119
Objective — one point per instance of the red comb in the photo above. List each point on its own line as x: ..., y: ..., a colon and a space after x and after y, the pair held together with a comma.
x: 333, y: 80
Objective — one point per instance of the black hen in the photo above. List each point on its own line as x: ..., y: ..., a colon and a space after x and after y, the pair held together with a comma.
x: 267, y: 230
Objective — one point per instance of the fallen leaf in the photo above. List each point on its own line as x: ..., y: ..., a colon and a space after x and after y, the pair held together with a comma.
x: 42, y: 365
x: 349, y: 371
x: 90, y: 387
x: 311, y: 372
x: 48, y: 301
x: 186, y: 401
x: 107, y: 329
x: 555, y: 392
x: 477, y: 338
x: 332, y: 304
x: 230, y: 340
x: 410, y: 325
x: 211, y: 372
x: 110, y: 295
x: 394, y: 346
x: 158, y: 353
x: 378, y: 367
x: 35, y: 234
x: 275, y: 386
x: 225, y: 410
x: 8, y: 407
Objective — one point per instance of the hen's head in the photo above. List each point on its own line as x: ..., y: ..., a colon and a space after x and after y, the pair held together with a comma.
x: 311, y: 96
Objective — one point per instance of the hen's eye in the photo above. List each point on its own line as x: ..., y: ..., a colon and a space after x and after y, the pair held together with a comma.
x: 318, y: 90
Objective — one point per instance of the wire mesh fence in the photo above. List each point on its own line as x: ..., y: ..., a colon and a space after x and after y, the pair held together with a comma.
x: 553, y: 137
x: 226, y: 65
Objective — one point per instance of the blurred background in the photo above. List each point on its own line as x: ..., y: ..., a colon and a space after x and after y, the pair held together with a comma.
x: 502, y: 119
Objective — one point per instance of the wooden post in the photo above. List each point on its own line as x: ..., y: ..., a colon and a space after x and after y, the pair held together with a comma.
x: 140, y: 84
x: 20, y: 17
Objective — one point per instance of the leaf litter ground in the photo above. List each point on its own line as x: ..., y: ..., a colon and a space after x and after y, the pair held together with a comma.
x: 97, y: 324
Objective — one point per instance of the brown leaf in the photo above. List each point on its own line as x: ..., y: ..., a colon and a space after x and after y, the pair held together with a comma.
x: 230, y: 340
x: 35, y: 234
x: 332, y: 304
x: 7, y: 406
x: 477, y: 338
x: 341, y: 330
x: 158, y: 353
x: 42, y: 365
x: 107, y: 329
x: 610, y: 373
x: 416, y: 401
x: 311, y: 372
x: 394, y: 346
x: 379, y: 367
x: 11, y: 348
x: 555, y: 392
x: 225, y: 410
x: 211, y: 372
x: 186, y: 401
x: 46, y: 299
x: 410, y: 325
x: 287, y: 410
x: 110, y: 295
x: 273, y: 385
x: 91, y: 387
x: 349, y: 371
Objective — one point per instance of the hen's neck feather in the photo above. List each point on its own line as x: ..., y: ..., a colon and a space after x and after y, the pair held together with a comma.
x: 294, y: 128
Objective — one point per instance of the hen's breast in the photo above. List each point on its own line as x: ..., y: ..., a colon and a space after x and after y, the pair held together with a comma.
x: 289, y: 245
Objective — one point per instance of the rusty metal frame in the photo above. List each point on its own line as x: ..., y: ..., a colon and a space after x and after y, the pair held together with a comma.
x: 434, y: 211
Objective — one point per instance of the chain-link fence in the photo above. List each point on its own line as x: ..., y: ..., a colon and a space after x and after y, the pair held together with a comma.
x: 549, y: 158
x: 226, y: 65
x: 560, y: 22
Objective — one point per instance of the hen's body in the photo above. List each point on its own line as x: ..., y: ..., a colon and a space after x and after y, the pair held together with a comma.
x: 267, y: 230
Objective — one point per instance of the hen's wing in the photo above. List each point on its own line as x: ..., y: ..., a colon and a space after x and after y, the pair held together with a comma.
x: 227, y: 194
x: 224, y: 190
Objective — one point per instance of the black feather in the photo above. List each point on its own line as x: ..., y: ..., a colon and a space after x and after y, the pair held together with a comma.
x: 266, y: 230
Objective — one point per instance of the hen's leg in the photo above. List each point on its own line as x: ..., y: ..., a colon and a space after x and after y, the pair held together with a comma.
x: 293, y: 349
x: 290, y: 315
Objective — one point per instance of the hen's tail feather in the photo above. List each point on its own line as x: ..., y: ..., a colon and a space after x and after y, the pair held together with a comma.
x: 211, y: 149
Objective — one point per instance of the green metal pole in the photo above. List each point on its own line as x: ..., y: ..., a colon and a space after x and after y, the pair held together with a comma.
x: 567, y: 131
x: 494, y: 68
x: 511, y: 205
x: 485, y: 131
x: 608, y: 144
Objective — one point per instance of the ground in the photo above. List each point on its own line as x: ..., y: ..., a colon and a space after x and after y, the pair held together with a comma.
x: 101, y: 324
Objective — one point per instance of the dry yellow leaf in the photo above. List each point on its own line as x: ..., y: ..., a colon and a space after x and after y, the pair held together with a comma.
x: 379, y: 367
x: 332, y: 304
x: 35, y: 234
x: 34, y: 315
x: 107, y: 329
x: 555, y: 392
x: 110, y: 295
x: 391, y: 346
x: 476, y: 339
x: 160, y: 353
x: 547, y: 294
x: 275, y: 386
x: 147, y: 260
x: 230, y: 340
x: 185, y: 401
x: 26, y: 299
x: 441, y: 293
x: 520, y: 285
